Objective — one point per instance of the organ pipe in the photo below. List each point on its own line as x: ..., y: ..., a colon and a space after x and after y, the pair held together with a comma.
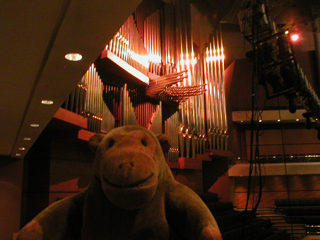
x: 192, y: 81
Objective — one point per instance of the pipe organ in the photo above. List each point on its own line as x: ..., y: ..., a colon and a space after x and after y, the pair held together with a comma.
x: 183, y: 96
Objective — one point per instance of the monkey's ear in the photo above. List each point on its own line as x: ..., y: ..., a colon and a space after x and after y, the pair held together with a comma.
x: 94, y: 141
x: 164, y: 142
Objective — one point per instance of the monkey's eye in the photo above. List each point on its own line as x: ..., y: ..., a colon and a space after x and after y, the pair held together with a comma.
x: 144, y: 142
x: 111, y: 143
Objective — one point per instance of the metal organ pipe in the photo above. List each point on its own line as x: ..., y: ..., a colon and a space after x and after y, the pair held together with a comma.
x: 193, y: 79
x: 86, y: 100
x: 216, y: 105
x: 94, y: 106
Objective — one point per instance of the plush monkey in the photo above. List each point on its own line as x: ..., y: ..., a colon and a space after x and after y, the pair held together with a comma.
x: 132, y: 195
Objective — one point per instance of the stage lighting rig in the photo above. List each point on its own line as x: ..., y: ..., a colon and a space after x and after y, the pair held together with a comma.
x: 275, y: 64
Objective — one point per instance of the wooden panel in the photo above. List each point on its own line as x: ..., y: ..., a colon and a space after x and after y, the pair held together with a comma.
x: 296, y: 141
x: 277, y: 169
x: 279, y: 183
x: 273, y: 183
x: 85, y: 135
x: 304, y: 183
x: 64, y: 189
x: 190, y: 163
x: 70, y: 117
x: 267, y: 137
x: 287, y: 149
x: 267, y: 199
x: 300, y: 186
x: 63, y: 171
x: 72, y: 150
x: 267, y: 150
x: 302, y: 149
x: 295, y: 136
x: 110, y: 61
x: 190, y: 178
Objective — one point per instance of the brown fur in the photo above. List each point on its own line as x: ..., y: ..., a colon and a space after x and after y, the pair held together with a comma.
x: 133, y: 195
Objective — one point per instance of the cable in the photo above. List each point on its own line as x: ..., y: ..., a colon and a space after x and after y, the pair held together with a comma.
x: 254, y: 166
x: 253, y: 106
x: 285, y: 169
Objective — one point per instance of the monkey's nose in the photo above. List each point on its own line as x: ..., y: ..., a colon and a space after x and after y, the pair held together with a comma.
x: 126, y: 165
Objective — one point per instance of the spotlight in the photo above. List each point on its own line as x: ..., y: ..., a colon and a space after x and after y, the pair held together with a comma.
x: 267, y: 51
x: 283, y: 48
x: 292, y: 105
x: 274, y: 80
x: 289, y: 75
x: 308, y: 120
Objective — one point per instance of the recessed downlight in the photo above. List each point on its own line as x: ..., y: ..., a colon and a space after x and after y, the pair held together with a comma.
x: 73, y: 57
x: 34, y: 125
x: 18, y: 154
x: 22, y: 148
x: 47, y: 102
x: 27, y: 139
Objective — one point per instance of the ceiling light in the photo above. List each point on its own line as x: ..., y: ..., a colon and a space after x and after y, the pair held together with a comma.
x: 294, y: 37
x: 18, y: 154
x: 47, y: 102
x: 22, y: 148
x: 27, y: 139
x: 297, y: 119
x: 34, y: 125
x: 73, y: 56
x: 279, y: 120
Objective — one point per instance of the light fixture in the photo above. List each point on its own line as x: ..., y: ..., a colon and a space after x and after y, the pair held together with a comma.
x: 18, y: 154
x: 283, y: 48
x: 279, y: 120
x: 73, y: 57
x: 294, y: 37
x: 27, y: 139
x: 297, y: 120
x: 275, y: 81
x: 34, y: 125
x: 47, y: 102
x: 22, y: 148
